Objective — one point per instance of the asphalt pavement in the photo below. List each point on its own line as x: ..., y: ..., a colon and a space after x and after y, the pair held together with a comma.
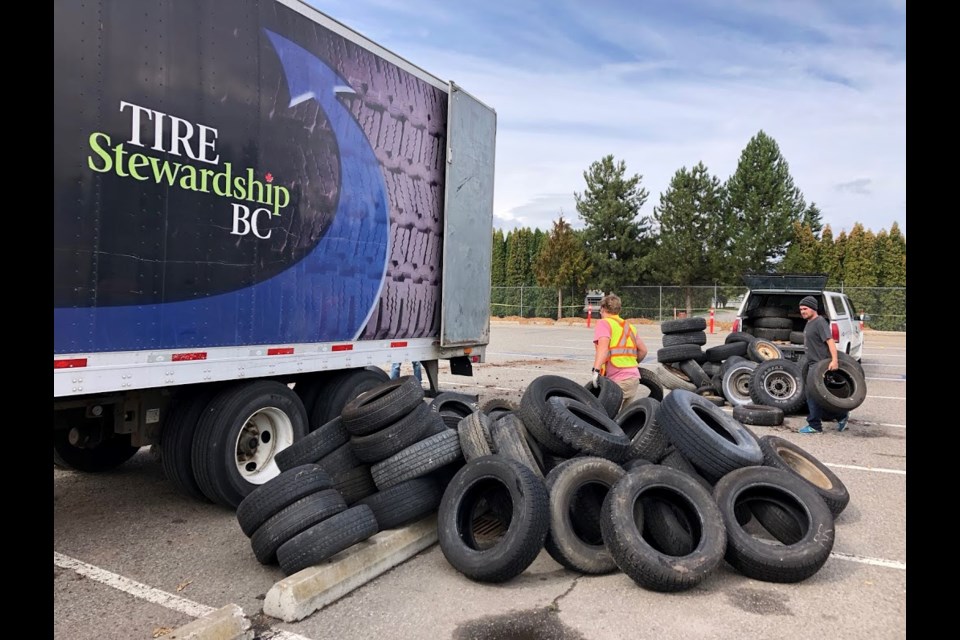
x: 135, y: 559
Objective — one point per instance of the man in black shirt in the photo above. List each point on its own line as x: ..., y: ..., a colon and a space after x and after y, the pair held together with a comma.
x: 819, y: 345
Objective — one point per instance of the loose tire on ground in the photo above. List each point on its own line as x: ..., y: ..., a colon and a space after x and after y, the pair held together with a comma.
x: 507, y: 493
x: 621, y: 522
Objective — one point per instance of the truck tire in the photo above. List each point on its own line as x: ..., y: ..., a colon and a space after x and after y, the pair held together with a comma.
x: 453, y: 403
x: 533, y: 404
x: 288, y: 487
x: 783, y: 454
x: 773, y: 322
x: 714, y: 442
x: 309, y: 388
x: 327, y: 538
x: 722, y: 352
x: 698, y: 377
x: 418, y: 459
x: 405, y: 502
x: 778, y: 383
x: 760, y: 350
x: 383, y: 405
x: 315, y: 446
x: 839, y: 391
x: 757, y: 558
x: 652, y: 382
x: 176, y: 441
x: 585, y: 429
x: 566, y: 542
x: 239, y: 435
x: 758, y: 414
x: 622, y: 525
x: 608, y: 393
x: 496, y: 407
x: 679, y: 353
x: 772, y: 334
x: 341, y: 388
x: 736, y: 382
x: 355, y: 484
x: 639, y: 424
x: 681, y: 325
x: 510, y: 441
x: 110, y: 451
x: 475, y: 438
x: 698, y: 338
x: 673, y: 378
x: 292, y: 519
x: 409, y: 429
x: 513, y: 498
x: 739, y: 336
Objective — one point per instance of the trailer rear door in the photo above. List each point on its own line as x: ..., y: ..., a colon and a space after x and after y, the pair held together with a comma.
x: 468, y: 221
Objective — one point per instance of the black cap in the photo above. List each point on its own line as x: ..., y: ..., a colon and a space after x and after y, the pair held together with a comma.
x: 810, y: 301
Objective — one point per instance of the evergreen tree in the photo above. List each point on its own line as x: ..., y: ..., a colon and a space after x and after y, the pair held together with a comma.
x: 831, y: 258
x: 860, y: 258
x: 813, y: 219
x: 498, y: 274
x: 688, y: 219
x: 803, y: 254
x: 518, y: 267
x: 888, y: 308
x: 764, y: 204
x: 562, y: 264
x: 616, y: 237
x: 498, y: 263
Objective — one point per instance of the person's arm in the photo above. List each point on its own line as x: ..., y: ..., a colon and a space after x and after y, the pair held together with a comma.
x: 832, y: 346
x: 601, y: 353
x: 641, y: 347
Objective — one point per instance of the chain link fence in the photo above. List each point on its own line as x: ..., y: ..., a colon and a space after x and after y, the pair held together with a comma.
x: 881, y: 308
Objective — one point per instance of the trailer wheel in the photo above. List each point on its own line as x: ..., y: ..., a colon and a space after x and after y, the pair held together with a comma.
x: 343, y: 387
x: 176, y: 441
x: 89, y: 444
x: 241, y: 431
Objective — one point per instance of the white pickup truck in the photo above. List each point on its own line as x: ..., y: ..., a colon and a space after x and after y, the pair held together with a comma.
x: 770, y: 310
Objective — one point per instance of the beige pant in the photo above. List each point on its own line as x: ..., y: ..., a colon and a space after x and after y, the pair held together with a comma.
x: 630, y: 388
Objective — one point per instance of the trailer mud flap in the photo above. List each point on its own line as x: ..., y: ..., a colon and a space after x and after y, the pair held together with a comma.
x: 461, y: 366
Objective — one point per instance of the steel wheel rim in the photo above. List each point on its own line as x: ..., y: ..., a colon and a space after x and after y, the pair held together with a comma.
x: 263, y: 434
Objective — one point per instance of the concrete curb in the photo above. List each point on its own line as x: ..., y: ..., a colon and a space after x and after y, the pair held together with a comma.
x: 297, y: 596
x: 226, y: 623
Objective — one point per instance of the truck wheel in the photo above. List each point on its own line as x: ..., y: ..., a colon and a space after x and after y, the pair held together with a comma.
x: 241, y: 431
x: 736, y: 382
x: 839, y: 391
x: 176, y: 441
x: 778, y: 383
x: 89, y: 444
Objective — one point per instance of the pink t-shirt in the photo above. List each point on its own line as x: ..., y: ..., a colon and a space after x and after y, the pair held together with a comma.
x: 602, y: 332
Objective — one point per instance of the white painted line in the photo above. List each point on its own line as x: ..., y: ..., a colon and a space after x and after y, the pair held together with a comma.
x: 899, y: 472
x: 887, y: 397
x: 890, y: 564
x: 143, y: 592
x: 136, y: 589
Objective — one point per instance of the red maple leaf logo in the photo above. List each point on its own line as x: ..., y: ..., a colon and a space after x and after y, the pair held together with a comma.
x: 269, y: 177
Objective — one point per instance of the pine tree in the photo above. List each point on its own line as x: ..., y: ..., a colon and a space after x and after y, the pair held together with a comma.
x: 831, y: 258
x: 616, y: 237
x: 803, y: 254
x: 813, y: 219
x: 562, y: 264
x: 689, y: 217
x: 498, y: 273
x: 518, y: 267
x: 764, y: 204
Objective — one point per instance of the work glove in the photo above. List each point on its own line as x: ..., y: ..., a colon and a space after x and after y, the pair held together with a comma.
x: 593, y: 382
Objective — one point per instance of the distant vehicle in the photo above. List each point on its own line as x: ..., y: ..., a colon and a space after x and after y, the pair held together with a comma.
x: 591, y: 303
x: 770, y: 310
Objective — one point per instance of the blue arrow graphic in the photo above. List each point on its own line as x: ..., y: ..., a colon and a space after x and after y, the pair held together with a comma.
x: 329, y: 295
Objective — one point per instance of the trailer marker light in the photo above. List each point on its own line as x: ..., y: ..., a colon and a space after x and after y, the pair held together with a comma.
x: 71, y: 363
x: 196, y: 355
x: 342, y: 347
x: 474, y: 358
x: 398, y: 344
x: 280, y: 351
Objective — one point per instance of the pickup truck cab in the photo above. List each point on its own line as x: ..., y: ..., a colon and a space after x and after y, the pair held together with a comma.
x: 770, y: 310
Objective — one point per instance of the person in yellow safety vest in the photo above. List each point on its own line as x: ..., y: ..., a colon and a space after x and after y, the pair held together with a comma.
x: 618, y: 349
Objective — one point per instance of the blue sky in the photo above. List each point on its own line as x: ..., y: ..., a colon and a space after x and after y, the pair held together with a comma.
x: 665, y: 85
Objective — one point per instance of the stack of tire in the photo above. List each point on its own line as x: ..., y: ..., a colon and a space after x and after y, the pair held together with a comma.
x: 686, y: 365
x: 381, y: 459
x: 709, y: 491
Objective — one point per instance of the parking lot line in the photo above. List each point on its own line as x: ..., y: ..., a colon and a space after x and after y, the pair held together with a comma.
x: 890, y: 564
x: 132, y: 587
x: 900, y: 472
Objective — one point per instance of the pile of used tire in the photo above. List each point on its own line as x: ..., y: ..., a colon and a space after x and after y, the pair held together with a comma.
x: 752, y: 374
x: 380, y: 464
x: 663, y: 490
